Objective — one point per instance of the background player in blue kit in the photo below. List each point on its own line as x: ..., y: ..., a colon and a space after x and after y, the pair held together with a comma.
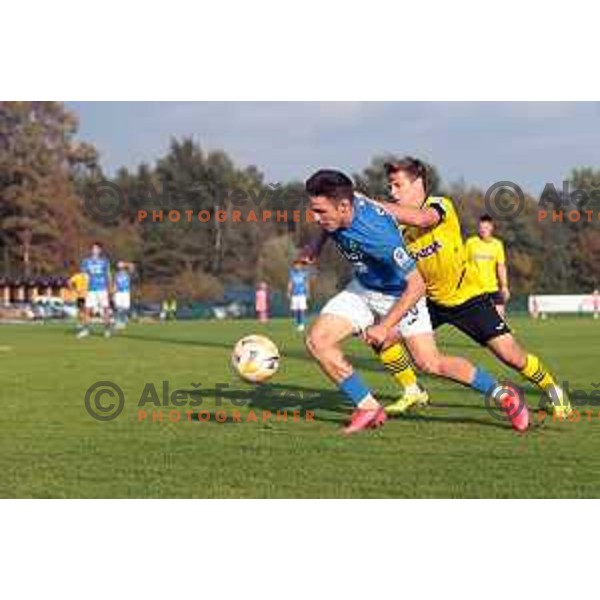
x: 97, y: 267
x: 298, y: 291
x: 122, y: 294
x: 384, y: 301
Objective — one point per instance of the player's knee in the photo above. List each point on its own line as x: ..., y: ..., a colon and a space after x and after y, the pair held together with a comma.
x: 511, y: 359
x: 518, y: 361
x: 317, y: 343
x: 511, y: 354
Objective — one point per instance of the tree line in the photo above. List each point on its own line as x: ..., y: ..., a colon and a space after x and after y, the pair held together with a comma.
x: 55, y: 199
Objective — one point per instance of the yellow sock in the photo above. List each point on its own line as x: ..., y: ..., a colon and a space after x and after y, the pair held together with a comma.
x: 537, y: 373
x: 397, y: 362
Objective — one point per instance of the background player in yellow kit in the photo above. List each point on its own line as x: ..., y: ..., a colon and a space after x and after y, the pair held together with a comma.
x: 78, y: 284
x: 455, y: 294
x: 487, y: 252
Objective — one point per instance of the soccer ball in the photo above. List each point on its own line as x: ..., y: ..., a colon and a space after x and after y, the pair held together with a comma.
x: 255, y: 358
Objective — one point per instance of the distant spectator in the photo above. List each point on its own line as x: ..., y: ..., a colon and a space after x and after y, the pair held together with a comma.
x: 169, y: 309
x: 262, y: 302
x: 173, y: 309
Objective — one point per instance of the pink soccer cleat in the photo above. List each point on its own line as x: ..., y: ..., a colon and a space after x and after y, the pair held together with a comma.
x: 365, y: 419
x: 515, y: 408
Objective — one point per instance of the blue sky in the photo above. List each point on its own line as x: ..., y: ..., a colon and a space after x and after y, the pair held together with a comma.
x: 530, y: 143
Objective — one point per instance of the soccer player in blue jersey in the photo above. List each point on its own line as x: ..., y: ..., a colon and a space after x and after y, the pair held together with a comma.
x: 97, y: 267
x: 298, y: 291
x: 122, y: 295
x: 384, y: 301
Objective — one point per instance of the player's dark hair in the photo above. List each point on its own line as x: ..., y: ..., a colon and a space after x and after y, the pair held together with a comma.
x: 485, y: 218
x: 331, y: 184
x: 413, y: 167
x: 99, y: 244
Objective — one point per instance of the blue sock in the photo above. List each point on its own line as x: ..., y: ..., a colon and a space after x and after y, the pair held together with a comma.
x: 483, y: 382
x: 302, y: 317
x: 354, y: 389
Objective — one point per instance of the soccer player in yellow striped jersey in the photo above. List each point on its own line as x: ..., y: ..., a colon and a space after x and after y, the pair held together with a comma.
x: 487, y: 252
x: 455, y: 293
x: 78, y: 285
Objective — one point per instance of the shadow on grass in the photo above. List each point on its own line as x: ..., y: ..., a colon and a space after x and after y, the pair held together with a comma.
x: 324, y: 404
x: 459, y: 419
x: 321, y: 405
x: 305, y: 404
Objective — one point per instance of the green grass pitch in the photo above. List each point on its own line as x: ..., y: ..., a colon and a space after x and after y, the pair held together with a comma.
x: 51, y: 447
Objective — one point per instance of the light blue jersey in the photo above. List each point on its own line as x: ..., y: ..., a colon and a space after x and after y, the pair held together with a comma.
x: 375, y: 247
x: 98, y: 272
x: 298, y: 279
x: 122, y: 282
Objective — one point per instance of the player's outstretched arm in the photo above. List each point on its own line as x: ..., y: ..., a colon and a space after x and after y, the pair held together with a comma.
x: 415, y: 290
x: 417, y: 217
x: 310, y: 253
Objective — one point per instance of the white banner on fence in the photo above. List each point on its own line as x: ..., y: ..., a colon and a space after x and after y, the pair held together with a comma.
x: 586, y: 303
